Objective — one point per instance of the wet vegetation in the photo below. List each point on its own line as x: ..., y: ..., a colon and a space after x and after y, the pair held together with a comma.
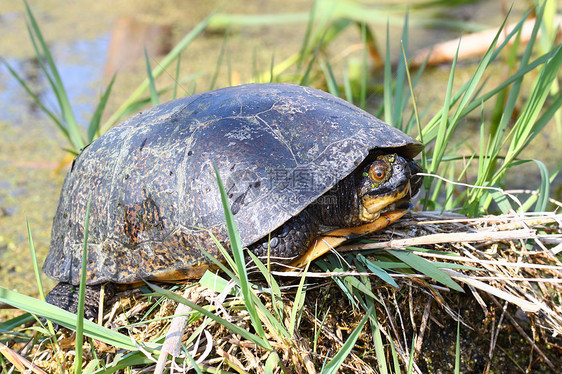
x: 490, y: 302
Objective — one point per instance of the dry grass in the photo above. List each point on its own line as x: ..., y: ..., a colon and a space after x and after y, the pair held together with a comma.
x: 510, y: 314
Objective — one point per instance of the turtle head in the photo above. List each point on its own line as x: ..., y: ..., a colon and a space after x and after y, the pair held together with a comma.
x: 387, y: 184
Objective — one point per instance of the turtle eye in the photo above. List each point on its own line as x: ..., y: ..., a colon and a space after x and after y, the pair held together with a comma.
x: 377, y: 172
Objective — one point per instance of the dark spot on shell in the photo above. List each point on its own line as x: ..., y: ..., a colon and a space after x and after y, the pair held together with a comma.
x: 257, y: 184
x: 171, y: 173
x: 143, y: 143
x: 126, y: 176
x: 189, y: 153
x: 237, y: 204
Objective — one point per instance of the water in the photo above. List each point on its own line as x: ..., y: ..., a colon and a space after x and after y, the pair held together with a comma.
x: 78, y: 63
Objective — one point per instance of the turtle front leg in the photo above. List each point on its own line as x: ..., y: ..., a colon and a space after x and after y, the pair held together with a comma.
x: 332, y: 239
x: 289, y: 241
x: 65, y: 296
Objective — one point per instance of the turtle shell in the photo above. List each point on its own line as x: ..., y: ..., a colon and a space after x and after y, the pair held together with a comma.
x: 153, y: 191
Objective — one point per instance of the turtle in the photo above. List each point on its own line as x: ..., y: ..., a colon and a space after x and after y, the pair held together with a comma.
x: 298, y: 165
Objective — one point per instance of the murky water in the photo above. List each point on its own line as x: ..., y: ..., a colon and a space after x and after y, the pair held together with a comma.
x: 79, y: 35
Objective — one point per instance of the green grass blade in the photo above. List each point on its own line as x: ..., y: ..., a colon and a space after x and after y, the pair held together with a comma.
x: 505, y: 83
x: 378, y: 343
x: 14, y: 323
x: 340, y: 282
x: 347, y: 87
x: 275, y: 290
x: 458, y: 349
x: 489, y: 164
x: 378, y: 271
x: 278, y: 316
x: 91, y: 366
x: 400, y: 88
x: 440, y: 145
x: 237, y: 253
x: 194, y: 364
x: 298, y: 303
x: 425, y: 267
x: 271, y: 70
x: 430, y: 127
x: 229, y: 260
x: 331, y: 80
x: 219, y: 60
x: 37, y: 272
x: 214, y: 282
x: 354, y: 283
x: 528, y: 123
x: 501, y: 200
x: 498, y: 131
x: 476, y: 77
x: 304, y: 79
x: 94, y: 126
x: 364, y: 68
x: 414, y: 104
x: 232, y: 327
x: 535, y: 103
x: 67, y: 319
x: 545, y: 117
x: 36, y: 99
x: 253, y: 300
x: 81, y: 296
x: 177, y: 78
x: 412, y: 355
x: 54, y: 79
x: 544, y: 188
x: 333, y: 366
x: 429, y: 131
x: 34, y: 260
x: 152, y: 86
x: 272, y: 363
x: 387, y: 94
x: 308, y: 32
x: 123, y: 363
x: 394, y: 355
x: 324, y: 37
x: 223, y: 20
